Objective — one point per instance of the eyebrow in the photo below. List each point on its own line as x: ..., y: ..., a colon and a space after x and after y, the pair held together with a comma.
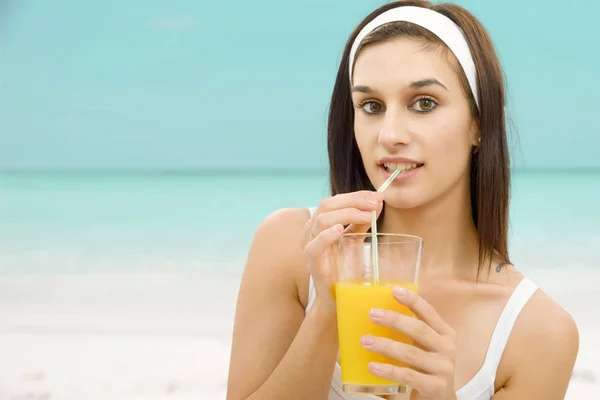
x: 413, y: 85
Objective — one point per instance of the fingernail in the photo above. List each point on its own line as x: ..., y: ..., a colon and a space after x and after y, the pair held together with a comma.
x: 374, y: 367
x: 372, y: 203
x: 376, y: 313
x: 338, y: 228
x: 367, y: 340
x: 399, y: 292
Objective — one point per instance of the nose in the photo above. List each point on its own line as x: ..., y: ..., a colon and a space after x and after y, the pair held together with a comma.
x: 394, y: 131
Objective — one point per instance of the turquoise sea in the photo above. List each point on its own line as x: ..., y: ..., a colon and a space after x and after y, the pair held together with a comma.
x: 121, y: 285
x: 204, y: 222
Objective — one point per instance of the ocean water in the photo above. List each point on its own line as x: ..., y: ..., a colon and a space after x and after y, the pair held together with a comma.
x: 83, y: 223
x: 124, y: 285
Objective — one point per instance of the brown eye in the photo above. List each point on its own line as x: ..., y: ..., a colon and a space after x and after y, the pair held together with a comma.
x: 371, y: 107
x: 424, y: 105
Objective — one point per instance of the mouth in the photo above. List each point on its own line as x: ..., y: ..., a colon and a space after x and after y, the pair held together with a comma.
x: 403, y: 167
x: 406, y: 169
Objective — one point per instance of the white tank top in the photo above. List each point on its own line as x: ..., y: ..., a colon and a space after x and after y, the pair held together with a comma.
x: 481, y: 386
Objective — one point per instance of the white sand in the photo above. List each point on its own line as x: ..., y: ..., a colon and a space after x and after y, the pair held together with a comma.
x: 168, y: 337
x: 115, y: 337
x: 81, y: 366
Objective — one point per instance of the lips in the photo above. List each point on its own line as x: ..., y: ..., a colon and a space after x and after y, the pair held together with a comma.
x: 407, y: 170
x: 391, y: 166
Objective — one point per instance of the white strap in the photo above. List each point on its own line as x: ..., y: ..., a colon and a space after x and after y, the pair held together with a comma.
x: 311, y: 295
x: 521, y: 295
x: 311, y: 285
x: 482, y: 384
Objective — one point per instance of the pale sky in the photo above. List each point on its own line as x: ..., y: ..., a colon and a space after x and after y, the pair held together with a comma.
x: 206, y: 85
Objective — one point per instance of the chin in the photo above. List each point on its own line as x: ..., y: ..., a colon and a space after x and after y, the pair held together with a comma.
x: 403, y: 199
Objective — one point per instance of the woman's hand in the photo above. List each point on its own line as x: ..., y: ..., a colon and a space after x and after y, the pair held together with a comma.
x: 323, y: 230
x: 432, y: 375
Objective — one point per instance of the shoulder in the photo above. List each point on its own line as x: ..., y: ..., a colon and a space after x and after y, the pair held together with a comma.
x: 279, y: 241
x: 284, y: 231
x: 545, y: 324
x: 542, y: 349
x: 284, y: 224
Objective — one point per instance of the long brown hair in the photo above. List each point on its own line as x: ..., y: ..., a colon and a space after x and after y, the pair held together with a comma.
x: 490, y: 170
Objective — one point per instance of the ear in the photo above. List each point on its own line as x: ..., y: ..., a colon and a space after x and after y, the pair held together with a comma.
x: 475, y: 134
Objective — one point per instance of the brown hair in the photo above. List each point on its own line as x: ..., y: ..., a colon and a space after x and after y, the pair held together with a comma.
x: 489, y: 173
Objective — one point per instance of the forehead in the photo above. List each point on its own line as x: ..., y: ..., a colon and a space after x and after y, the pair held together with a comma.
x: 401, y: 61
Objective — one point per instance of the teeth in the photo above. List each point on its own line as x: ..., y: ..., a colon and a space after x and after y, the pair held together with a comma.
x: 401, y: 166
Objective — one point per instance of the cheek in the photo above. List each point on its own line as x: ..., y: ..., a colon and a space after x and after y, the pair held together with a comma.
x: 449, y: 147
x: 365, y: 134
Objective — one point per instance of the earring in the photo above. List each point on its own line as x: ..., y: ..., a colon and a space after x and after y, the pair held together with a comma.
x: 477, y: 147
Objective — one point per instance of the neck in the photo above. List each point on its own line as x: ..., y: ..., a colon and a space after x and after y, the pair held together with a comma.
x: 450, y: 239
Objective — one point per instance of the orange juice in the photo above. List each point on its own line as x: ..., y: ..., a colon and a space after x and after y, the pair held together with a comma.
x: 354, y: 299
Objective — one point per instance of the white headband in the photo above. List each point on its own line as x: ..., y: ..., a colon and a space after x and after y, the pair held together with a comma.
x: 438, y: 24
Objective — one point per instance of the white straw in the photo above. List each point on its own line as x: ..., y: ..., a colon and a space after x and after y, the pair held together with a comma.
x: 385, y: 185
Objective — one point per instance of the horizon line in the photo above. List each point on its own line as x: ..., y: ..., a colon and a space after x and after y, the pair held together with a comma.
x: 243, y: 171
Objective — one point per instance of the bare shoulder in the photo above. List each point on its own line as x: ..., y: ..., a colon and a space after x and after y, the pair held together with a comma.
x: 282, y: 217
x: 284, y: 227
x: 280, y: 235
x: 541, y: 352
x: 545, y: 323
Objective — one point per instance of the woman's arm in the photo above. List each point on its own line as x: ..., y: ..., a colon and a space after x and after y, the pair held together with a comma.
x: 277, y: 353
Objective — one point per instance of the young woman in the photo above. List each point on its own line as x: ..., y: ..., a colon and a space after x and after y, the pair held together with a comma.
x: 419, y: 88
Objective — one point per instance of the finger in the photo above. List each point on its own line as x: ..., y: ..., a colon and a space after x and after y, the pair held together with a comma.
x: 365, y: 200
x: 316, y: 247
x: 410, y: 326
x: 422, y: 309
x: 429, y: 386
x: 344, y: 216
x: 411, y: 355
x: 361, y: 228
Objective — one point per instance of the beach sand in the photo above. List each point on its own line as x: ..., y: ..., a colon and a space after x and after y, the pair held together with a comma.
x: 87, y: 337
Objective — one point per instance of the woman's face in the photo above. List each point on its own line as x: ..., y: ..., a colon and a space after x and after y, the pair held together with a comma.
x: 411, y: 113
